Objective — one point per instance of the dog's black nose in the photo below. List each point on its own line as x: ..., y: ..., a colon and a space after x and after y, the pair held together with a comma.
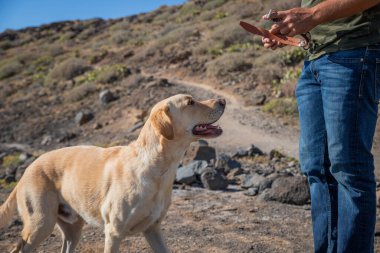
x: 222, y: 102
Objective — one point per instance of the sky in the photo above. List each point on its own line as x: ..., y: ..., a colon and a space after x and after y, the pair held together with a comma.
x: 16, y: 14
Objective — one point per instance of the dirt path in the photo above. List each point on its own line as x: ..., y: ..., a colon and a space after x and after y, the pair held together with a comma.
x: 244, y: 125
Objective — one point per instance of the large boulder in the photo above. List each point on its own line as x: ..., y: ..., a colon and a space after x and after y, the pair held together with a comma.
x: 83, y: 117
x: 185, y: 175
x: 191, y: 172
x: 199, y: 151
x: 288, y: 189
x: 214, y: 180
x: 226, y: 163
x: 255, y: 181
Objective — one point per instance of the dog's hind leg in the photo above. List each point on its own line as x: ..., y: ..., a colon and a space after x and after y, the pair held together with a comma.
x: 39, y: 217
x: 155, y: 239
x: 70, y: 234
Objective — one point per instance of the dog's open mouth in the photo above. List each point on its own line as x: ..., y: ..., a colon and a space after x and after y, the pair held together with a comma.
x: 207, y: 130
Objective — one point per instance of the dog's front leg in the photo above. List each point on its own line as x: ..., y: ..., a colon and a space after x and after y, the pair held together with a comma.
x: 155, y: 239
x: 112, y: 240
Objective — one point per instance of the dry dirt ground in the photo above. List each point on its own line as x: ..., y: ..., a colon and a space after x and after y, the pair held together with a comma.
x: 206, y: 221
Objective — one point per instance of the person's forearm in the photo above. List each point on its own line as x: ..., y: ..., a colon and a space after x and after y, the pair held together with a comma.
x: 330, y: 10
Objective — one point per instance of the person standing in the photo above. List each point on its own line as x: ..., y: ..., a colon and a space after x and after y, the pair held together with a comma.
x: 338, y: 94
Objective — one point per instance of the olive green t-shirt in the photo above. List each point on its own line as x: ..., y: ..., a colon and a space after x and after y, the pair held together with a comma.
x: 351, y: 32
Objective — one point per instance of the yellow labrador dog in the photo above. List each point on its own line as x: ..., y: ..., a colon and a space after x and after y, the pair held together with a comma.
x: 126, y: 190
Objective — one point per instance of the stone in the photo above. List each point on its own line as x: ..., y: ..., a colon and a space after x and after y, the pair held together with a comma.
x: 240, y: 153
x: 288, y: 189
x: 106, y: 97
x: 226, y: 163
x: 256, y: 181
x: 198, y: 151
x: 258, y: 99
x: 253, y: 150
x: 46, y: 140
x: 214, y: 180
x: 83, y: 117
x: 185, y: 175
x: 253, y: 191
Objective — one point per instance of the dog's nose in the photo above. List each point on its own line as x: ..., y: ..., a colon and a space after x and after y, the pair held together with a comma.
x: 222, y: 102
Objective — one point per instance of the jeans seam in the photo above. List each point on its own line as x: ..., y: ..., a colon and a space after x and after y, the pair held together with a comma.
x: 362, y: 77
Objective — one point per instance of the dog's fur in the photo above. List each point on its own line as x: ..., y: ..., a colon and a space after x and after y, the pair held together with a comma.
x: 126, y: 190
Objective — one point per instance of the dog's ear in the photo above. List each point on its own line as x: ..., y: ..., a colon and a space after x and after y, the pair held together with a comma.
x: 162, y: 122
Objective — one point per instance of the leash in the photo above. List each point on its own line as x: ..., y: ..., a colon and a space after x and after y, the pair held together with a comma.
x: 303, y: 42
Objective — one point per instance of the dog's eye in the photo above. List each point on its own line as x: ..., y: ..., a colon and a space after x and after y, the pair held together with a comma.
x: 190, y: 102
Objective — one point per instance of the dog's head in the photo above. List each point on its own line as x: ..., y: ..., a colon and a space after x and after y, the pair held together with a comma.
x: 181, y: 116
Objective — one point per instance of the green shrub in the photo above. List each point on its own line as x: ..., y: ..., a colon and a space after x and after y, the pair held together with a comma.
x: 80, y: 92
x: 110, y: 74
x: 11, y: 160
x: 68, y: 69
x: 282, y: 107
x: 213, y: 4
x: 226, y: 64
x: 294, y: 56
x: 9, y: 69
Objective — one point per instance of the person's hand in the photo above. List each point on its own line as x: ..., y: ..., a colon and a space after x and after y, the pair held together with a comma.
x: 294, y: 21
x: 290, y: 23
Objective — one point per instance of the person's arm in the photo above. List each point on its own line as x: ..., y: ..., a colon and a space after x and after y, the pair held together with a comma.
x: 301, y: 20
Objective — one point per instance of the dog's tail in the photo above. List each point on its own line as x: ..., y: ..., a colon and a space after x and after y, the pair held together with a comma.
x: 8, y: 209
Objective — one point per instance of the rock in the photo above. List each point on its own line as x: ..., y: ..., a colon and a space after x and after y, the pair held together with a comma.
x: 10, y: 179
x: 198, y: 151
x: 66, y: 136
x: 185, y: 175
x: 288, y: 189
x: 256, y: 181
x: 97, y: 126
x: 106, y: 97
x: 253, y: 191
x: 83, y: 117
x: 198, y: 167
x: 214, y: 180
x: 235, y: 172
x: 240, y: 153
x: 226, y: 163
x: 23, y: 157
x: 46, y: 140
x: 251, y: 151
x: 257, y: 100
x: 137, y: 125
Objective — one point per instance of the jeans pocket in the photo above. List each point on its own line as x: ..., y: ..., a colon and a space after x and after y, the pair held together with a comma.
x: 377, y: 81
x: 347, y: 57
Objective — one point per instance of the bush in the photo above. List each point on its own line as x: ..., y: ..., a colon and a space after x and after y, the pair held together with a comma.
x: 293, y: 56
x: 282, y: 107
x: 226, y: 64
x: 213, y: 4
x: 68, y: 69
x: 10, y: 69
x: 110, y: 74
x: 80, y: 92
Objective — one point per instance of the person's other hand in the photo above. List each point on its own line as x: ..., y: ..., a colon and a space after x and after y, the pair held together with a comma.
x: 293, y: 22
x: 290, y: 23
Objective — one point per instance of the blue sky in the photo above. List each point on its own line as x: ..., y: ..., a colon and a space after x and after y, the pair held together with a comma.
x: 16, y: 14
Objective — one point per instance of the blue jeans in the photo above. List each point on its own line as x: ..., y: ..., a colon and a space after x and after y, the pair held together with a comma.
x: 337, y: 98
